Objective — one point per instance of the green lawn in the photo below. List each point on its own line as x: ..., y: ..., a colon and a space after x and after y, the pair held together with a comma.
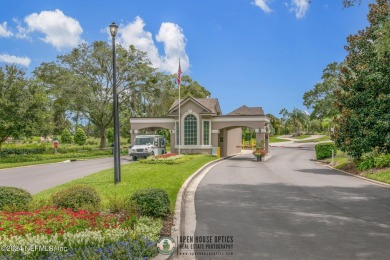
x: 340, y: 160
x: 20, y: 164
x: 276, y: 139
x: 321, y: 139
x: 380, y: 176
x: 301, y: 137
x: 137, y: 176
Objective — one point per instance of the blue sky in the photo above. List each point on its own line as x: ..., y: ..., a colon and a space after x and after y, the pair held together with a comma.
x: 254, y: 52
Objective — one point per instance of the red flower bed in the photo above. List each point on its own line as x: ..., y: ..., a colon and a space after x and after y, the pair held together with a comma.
x: 163, y: 156
x: 49, y: 220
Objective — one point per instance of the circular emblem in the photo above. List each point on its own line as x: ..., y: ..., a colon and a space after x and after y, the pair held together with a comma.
x: 166, y: 245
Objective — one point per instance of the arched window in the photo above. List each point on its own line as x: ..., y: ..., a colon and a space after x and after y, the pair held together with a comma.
x: 190, y: 130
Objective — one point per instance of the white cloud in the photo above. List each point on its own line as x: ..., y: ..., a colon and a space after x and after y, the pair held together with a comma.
x: 25, y: 61
x: 4, y: 32
x: 60, y: 30
x: 22, y: 32
x: 174, y: 41
x: 263, y: 4
x: 170, y: 35
x: 134, y: 34
x: 299, y: 7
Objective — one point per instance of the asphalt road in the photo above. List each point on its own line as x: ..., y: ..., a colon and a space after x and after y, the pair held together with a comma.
x: 290, y: 207
x: 41, y: 177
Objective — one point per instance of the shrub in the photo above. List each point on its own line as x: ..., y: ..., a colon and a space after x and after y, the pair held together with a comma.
x: 77, y: 197
x: 324, y: 150
x: 80, y: 137
x: 8, y: 150
x: 152, y: 202
x: 110, y: 135
x: 366, y: 164
x: 14, y: 199
x: 382, y: 161
x: 66, y: 137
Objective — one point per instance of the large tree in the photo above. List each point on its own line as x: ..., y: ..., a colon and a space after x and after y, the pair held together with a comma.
x: 24, y: 105
x: 321, y: 97
x: 364, y: 96
x: 82, y: 79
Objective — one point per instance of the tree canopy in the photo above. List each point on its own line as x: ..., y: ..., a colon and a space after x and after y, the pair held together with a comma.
x: 363, y: 99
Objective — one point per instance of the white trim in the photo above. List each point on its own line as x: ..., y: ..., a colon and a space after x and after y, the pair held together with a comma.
x: 152, y: 120
x: 257, y: 130
x: 215, y: 131
x: 136, y: 131
x: 240, y: 119
x: 207, y: 120
x: 197, y: 126
x: 194, y: 146
x: 263, y: 130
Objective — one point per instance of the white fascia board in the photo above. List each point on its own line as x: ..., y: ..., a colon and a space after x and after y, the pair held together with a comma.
x: 240, y: 119
x: 152, y: 120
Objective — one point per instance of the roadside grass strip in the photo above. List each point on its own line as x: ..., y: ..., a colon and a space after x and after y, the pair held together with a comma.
x: 275, y: 139
x: 379, y: 176
x: 136, y: 176
x: 321, y: 139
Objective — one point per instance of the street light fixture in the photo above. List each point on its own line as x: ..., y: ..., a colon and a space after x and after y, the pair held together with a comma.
x: 117, y: 162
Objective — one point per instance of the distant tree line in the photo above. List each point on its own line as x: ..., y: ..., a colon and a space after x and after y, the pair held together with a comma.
x: 75, y: 91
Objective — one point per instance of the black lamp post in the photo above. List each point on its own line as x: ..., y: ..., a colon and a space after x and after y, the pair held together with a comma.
x: 117, y: 162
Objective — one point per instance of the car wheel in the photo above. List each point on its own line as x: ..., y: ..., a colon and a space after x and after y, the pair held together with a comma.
x: 134, y: 158
x: 152, y: 153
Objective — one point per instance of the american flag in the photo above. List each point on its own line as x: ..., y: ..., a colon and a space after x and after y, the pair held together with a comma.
x: 179, y: 74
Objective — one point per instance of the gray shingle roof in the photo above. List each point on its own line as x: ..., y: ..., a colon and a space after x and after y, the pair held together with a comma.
x: 247, y: 111
x: 211, y: 104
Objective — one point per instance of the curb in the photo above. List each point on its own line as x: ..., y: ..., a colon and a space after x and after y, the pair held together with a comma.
x: 179, y: 215
x: 385, y: 185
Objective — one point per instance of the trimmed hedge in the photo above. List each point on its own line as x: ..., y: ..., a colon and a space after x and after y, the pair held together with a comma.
x: 15, y: 198
x: 324, y: 150
x: 20, y: 150
x: 77, y: 197
x: 151, y: 202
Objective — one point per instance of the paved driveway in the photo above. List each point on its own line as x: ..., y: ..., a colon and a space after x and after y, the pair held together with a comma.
x: 293, y: 208
x: 41, y: 177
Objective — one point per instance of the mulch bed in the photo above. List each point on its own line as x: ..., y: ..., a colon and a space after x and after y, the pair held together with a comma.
x: 167, y: 225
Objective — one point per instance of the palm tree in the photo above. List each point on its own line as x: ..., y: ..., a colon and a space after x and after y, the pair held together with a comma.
x: 298, y: 119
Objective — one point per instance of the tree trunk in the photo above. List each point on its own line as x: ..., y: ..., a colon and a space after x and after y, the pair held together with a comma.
x: 103, y: 138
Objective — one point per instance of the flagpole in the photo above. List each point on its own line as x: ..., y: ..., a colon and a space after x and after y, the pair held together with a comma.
x: 178, y: 85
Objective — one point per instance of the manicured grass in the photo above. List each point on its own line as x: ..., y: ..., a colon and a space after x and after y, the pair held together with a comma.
x: 34, y: 159
x: 301, y: 137
x: 275, y: 139
x: 321, y: 139
x: 380, y: 176
x: 21, y: 164
x: 137, y: 176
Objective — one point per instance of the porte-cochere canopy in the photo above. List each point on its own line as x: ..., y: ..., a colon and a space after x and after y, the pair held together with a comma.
x: 202, y: 126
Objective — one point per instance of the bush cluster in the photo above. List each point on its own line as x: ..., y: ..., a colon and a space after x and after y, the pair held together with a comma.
x: 80, y: 137
x: 42, y: 157
x: 77, y: 197
x: 66, y: 137
x: 151, y: 202
x: 324, y: 150
x: 22, y: 150
x: 169, y: 160
x: 380, y: 161
x: 15, y: 199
